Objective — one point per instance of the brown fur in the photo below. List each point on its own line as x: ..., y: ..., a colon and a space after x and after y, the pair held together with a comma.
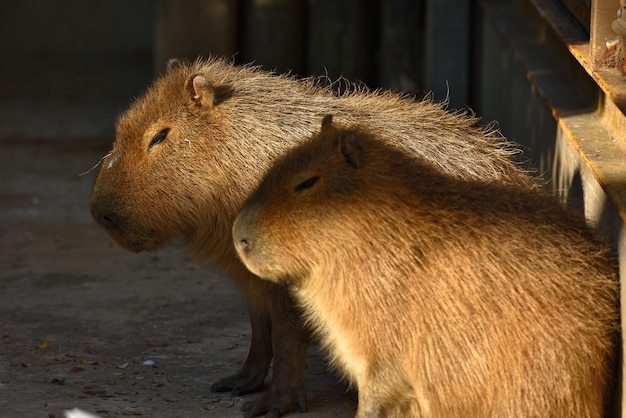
x: 439, y: 297
x: 226, y: 126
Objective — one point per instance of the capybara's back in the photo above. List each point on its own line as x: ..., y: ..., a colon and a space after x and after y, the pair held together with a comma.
x: 439, y: 296
x: 191, y: 149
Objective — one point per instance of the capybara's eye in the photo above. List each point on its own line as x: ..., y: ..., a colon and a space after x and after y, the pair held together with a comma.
x: 159, y: 137
x: 306, y: 184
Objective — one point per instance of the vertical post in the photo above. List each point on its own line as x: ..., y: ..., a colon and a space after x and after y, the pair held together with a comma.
x: 272, y: 34
x: 192, y: 28
x: 603, y: 13
x: 342, y: 39
x: 446, y: 57
x: 401, y: 49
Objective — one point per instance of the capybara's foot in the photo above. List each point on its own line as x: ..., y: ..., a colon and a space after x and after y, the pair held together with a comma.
x: 276, y: 403
x: 240, y: 384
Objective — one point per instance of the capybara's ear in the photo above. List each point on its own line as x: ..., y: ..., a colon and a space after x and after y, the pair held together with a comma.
x: 350, y: 148
x: 204, y: 94
x: 327, y: 121
x: 172, y: 64
x: 328, y: 129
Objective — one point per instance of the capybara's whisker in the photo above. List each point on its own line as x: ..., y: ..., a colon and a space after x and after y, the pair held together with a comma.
x: 97, y: 164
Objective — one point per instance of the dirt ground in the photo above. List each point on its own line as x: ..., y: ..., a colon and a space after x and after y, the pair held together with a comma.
x: 85, y: 324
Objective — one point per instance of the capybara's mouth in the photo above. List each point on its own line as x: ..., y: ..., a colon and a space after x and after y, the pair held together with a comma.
x: 134, y: 239
x: 124, y: 230
x: 136, y: 245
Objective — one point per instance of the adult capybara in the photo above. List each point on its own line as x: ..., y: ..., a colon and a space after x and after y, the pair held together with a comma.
x: 191, y: 149
x: 438, y: 296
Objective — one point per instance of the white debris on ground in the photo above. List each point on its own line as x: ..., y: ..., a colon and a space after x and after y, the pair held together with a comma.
x: 77, y: 413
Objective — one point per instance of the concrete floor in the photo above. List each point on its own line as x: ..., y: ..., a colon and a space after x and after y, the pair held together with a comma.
x: 83, y: 323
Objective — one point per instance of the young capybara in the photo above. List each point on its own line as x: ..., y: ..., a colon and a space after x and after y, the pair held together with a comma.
x: 438, y: 296
x: 192, y: 148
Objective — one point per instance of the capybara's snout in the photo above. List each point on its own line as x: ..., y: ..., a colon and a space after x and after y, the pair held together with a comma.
x: 110, y: 212
x: 242, y: 237
x: 248, y: 242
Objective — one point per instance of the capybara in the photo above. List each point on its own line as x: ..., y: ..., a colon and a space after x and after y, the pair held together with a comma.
x: 191, y: 149
x: 438, y: 296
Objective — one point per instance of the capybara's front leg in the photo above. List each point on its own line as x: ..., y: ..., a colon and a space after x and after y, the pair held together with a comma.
x: 251, y: 376
x: 290, y: 341
x: 369, y: 406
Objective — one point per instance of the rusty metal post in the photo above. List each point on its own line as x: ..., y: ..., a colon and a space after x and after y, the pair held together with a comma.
x: 607, y: 33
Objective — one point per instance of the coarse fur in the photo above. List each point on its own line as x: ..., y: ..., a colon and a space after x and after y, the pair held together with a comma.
x: 191, y: 149
x: 438, y: 296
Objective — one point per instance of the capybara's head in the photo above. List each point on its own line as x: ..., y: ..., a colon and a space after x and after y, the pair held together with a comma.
x: 166, y: 162
x: 291, y: 219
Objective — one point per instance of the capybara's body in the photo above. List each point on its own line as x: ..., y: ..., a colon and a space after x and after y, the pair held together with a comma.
x: 192, y: 148
x: 439, y: 297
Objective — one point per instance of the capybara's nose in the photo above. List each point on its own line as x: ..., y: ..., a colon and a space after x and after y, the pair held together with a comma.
x: 108, y: 220
x: 105, y: 210
x: 104, y: 215
x: 241, y: 235
x: 244, y: 244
